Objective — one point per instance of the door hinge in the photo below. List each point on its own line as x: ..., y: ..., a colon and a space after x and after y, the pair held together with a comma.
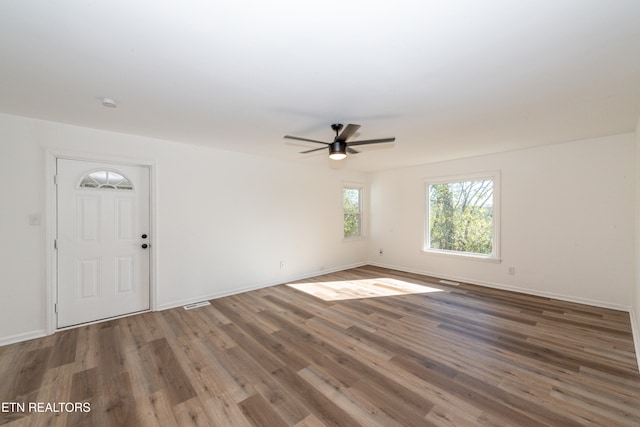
x: 55, y: 179
x: 55, y: 308
x: 55, y: 244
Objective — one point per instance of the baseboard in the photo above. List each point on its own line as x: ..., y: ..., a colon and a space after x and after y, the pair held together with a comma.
x: 635, y: 330
x: 206, y: 297
x: 26, y: 336
x: 504, y: 287
x: 12, y: 339
x: 633, y: 317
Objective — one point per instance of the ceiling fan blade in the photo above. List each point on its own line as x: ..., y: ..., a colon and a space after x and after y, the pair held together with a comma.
x: 315, y: 149
x: 352, y: 151
x: 305, y: 139
x: 299, y: 144
x: 372, y: 141
x: 348, y: 132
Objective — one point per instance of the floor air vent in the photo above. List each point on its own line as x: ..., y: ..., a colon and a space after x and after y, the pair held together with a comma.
x: 196, y: 305
x: 447, y: 282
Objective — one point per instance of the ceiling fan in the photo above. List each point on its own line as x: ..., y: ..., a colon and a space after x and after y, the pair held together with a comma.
x: 339, y: 148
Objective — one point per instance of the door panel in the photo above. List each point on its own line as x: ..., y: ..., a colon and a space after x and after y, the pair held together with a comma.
x: 124, y: 219
x: 103, y: 211
x: 88, y: 217
x: 124, y: 274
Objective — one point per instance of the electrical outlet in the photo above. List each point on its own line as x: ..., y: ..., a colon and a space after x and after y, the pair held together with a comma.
x: 282, y: 265
x: 512, y: 271
x: 34, y: 219
x: 380, y: 252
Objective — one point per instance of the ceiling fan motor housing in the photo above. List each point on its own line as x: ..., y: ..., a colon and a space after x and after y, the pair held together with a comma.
x: 338, y: 150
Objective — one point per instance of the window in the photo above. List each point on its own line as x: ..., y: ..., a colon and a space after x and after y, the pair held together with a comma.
x: 105, y: 179
x: 352, y: 209
x: 462, y: 216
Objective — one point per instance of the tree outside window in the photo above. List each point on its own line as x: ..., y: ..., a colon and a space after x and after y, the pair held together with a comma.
x: 461, y: 217
x: 352, y: 209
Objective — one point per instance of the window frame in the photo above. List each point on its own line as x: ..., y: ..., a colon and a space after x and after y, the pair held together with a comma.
x: 495, y: 256
x: 361, y: 192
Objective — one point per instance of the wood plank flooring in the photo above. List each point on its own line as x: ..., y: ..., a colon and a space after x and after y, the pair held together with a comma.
x: 453, y: 356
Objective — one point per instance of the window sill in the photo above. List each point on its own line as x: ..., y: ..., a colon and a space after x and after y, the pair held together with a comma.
x: 464, y: 255
x: 354, y: 239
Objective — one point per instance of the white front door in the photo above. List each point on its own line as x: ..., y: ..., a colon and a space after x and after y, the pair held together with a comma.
x: 102, y: 240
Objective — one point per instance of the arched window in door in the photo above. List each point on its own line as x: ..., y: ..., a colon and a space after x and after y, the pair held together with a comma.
x: 105, y: 179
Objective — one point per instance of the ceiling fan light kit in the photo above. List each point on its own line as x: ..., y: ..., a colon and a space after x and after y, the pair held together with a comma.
x: 339, y: 148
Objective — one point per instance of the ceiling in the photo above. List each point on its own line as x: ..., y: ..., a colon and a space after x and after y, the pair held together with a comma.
x: 448, y: 79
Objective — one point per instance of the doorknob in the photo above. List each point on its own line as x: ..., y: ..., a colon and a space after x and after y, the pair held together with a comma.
x: 145, y: 246
x: 144, y: 236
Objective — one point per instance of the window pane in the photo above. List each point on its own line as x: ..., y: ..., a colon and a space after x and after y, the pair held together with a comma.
x: 461, y: 216
x: 351, y: 200
x: 351, y: 205
x: 351, y: 225
x: 100, y: 177
x: 106, y: 180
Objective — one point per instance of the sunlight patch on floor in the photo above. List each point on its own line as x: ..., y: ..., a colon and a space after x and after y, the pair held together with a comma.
x: 355, y: 289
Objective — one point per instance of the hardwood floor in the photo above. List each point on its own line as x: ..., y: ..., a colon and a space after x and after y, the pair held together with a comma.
x: 454, y: 356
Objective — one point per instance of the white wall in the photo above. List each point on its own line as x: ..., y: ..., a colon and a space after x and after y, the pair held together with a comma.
x: 224, y: 220
x: 567, y: 221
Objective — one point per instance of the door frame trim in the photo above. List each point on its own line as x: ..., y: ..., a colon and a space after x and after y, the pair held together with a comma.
x: 51, y: 222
